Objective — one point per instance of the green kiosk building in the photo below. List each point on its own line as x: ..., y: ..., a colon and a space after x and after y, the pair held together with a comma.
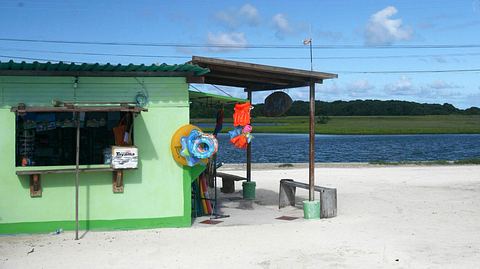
x: 59, y: 121
x: 40, y: 104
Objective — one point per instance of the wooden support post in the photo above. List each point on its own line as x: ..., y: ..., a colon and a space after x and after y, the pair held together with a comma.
x: 328, y: 203
x: 77, y: 171
x: 228, y: 185
x: 117, y: 182
x: 311, y: 166
x: 35, y: 186
x: 249, y: 146
x: 286, y: 194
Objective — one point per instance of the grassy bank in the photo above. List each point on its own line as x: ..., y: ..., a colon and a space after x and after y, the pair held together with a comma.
x: 434, y: 124
x: 437, y: 162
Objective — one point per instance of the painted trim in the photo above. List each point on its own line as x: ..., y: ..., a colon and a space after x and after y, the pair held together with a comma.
x: 189, y: 174
x: 122, y: 224
x: 60, y: 167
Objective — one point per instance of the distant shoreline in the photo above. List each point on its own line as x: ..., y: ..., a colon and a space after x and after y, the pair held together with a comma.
x: 361, y: 125
x: 270, y: 166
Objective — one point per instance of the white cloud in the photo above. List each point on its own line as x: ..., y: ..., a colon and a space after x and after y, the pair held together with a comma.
x: 438, y: 94
x: 329, y: 89
x: 231, y: 41
x: 233, y: 18
x: 403, y: 86
x: 250, y: 13
x: 435, y: 90
x: 441, y: 84
x: 382, y: 29
x: 281, y: 25
x: 359, y: 88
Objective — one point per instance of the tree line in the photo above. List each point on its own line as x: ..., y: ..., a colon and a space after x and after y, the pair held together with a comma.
x: 346, y: 108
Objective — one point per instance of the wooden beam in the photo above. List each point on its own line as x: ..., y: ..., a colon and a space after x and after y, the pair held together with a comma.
x: 248, y: 79
x: 35, y: 186
x: 311, y: 166
x: 269, y: 88
x: 254, y: 86
x: 62, y: 171
x: 117, y: 181
x: 192, y: 79
x: 211, y: 62
x: 79, y: 109
x: 250, y: 73
x: 223, y: 82
x: 249, y: 145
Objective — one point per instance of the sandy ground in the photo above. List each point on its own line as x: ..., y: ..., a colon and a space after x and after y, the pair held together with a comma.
x: 388, y: 217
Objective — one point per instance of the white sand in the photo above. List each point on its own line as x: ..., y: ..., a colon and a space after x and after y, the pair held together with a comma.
x: 388, y: 217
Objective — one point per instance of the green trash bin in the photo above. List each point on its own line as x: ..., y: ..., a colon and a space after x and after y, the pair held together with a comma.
x: 311, y: 209
x: 249, y: 190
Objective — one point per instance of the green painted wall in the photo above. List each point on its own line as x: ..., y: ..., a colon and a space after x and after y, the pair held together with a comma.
x: 156, y: 194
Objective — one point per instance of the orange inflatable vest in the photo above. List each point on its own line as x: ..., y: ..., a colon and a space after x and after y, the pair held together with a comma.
x: 240, y: 141
x: 241, y: 116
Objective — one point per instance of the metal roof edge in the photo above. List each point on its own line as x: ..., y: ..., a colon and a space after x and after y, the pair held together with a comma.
x: 96, y: 69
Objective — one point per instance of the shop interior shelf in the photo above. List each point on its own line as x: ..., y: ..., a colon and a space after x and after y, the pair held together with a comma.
x: 40, y: 170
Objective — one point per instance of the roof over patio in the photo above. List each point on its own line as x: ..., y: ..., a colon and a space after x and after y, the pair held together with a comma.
x: 256, y: 77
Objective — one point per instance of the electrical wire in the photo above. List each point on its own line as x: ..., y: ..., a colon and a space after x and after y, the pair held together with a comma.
x: 246, y: 46
x: 246, y: 57
x: 218, y: 88
x: 40, y: 59
x: 196, y: 88
x: 410, y: 71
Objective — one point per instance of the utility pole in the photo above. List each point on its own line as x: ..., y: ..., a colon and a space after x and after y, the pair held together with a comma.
x: 311, y: 166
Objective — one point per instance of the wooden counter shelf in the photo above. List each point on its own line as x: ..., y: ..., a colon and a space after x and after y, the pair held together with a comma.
x: 35, y: 172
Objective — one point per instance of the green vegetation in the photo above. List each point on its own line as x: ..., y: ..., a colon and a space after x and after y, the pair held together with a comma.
x: 376, y: 108
x: 432, y: 124
x: 437, y: 162
x: 346, y: 108
x: 468, y: 161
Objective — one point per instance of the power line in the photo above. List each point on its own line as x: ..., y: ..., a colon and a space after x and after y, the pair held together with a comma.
x: 410, y: 71
x: 195, y: 88
x: 218, y: 88
x: 39, y: 59
x: 99, y: 53
x: 246, y: 57
x: 244, y: 46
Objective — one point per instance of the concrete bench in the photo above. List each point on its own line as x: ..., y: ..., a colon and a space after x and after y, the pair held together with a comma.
x: 328, y: 197
x: 228, y: 182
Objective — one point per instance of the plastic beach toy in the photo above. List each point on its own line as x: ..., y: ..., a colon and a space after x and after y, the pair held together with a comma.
x: 247, y: 129
x: 190, y: 146
x: 241, y: 116
x: 235, y: 132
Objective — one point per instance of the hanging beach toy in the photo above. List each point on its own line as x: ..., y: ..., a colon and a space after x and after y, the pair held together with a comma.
x: 241, y: 116
x: 190, y: 146
x: 240, y: 136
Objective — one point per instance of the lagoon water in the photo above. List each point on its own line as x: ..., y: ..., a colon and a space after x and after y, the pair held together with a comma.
x: 293, y: 148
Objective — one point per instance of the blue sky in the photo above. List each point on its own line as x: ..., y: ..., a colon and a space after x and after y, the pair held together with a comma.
x: 364, y: 24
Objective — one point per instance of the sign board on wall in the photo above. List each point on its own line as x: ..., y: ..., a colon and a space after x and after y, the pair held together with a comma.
x: 124, y: 157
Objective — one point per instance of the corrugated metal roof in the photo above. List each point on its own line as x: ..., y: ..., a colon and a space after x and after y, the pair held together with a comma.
x: 60, y: 67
